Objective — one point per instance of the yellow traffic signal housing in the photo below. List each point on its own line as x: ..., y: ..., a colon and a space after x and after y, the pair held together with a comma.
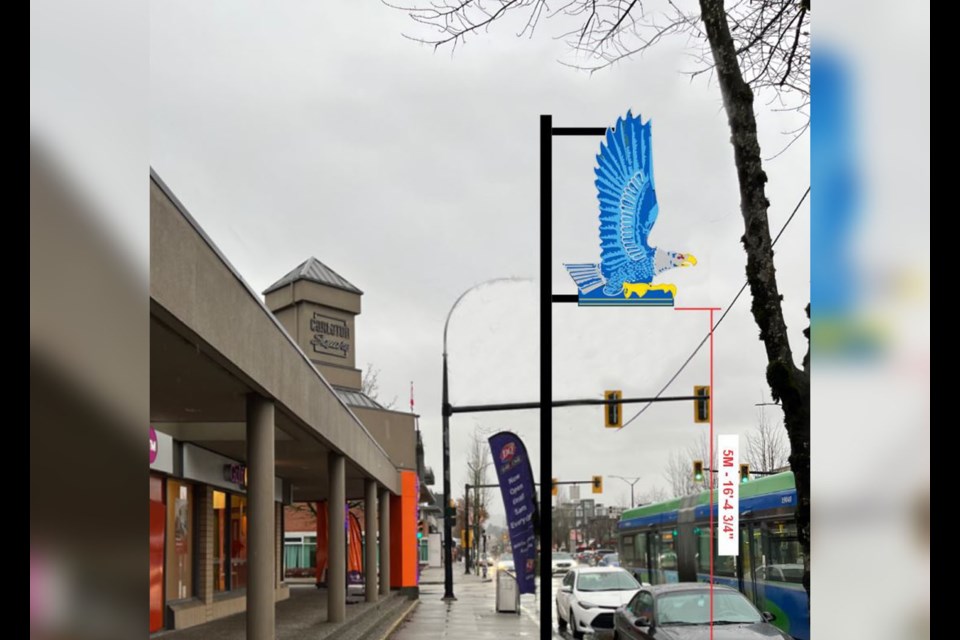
x: 701, y: 406
x: 698, y: 470
x: 613, y: 413
x: 553, y: 486
x: 744, y: 473
x: 598, y: 484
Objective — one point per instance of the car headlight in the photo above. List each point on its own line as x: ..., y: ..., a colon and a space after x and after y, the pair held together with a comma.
x: 587, y: 605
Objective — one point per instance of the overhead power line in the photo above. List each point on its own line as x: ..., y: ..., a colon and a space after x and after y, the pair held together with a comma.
x: 722, y: 316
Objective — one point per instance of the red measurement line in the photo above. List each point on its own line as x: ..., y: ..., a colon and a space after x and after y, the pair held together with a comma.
x: 712, y: 404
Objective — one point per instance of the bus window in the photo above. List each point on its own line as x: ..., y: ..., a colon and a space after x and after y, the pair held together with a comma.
x: 783, y: 555
x: 668, y: 555
x: 640, y: 550
x: 722, y: 566
x: 626, y: 549
x: 703, y: 551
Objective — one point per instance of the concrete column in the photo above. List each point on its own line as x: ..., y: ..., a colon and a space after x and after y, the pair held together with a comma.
x: 205, y: 546
x: 384, y: 542
x: 370, y: 534
x: 261, y: 613
x: 337, y: 540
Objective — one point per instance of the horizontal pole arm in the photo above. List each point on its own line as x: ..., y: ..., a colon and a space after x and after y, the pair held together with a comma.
x: 514, y: 406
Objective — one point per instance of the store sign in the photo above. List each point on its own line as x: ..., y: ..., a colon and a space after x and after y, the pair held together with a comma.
x: 162, y: 449
x: 235, y: 474
x: 331, y: 336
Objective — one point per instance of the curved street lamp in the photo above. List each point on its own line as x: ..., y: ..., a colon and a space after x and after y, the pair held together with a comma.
x: 446, y: 412
x: 631, y: 482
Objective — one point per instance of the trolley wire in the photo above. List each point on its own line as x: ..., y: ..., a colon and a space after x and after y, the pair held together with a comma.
x: 722, y: 316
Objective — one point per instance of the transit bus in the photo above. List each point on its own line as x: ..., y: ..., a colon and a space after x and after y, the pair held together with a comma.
x: 669, y: 542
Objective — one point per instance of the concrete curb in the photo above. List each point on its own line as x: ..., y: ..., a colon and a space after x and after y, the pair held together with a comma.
x: 399, y: 621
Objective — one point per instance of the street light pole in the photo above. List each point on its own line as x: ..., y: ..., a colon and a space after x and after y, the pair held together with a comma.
x: 446, y: 412
x: 632, y: 482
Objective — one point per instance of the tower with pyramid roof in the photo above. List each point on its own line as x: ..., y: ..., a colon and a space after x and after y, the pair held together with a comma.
x: 318, y: 308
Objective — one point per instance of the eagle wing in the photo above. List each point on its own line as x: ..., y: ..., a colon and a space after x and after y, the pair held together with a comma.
x: 625, y: 189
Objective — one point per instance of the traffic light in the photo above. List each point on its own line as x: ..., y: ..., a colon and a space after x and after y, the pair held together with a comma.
x: 701, y: 406
x: 598, y: 484
x: 698, y: 470
x: 452, y: 509
x: 553, y: 486
x: 612, y: 414
x: 744, y: 473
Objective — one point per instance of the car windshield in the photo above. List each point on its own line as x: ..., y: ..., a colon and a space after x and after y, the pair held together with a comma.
x: 562, y: 556
x: 693, y: 607
x: 607, y: 581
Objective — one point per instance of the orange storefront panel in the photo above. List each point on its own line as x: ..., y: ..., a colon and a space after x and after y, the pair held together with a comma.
x: 404, y: 547
x: 157, y: 528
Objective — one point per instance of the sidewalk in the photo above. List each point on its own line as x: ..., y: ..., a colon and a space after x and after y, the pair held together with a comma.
x: 472, y: 615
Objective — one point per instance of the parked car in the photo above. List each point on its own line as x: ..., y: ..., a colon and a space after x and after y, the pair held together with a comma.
x: 681, y: 611
x: 589, y: 596
x: 610, y: 560
x: 599, y: 554
x: 561, y: 562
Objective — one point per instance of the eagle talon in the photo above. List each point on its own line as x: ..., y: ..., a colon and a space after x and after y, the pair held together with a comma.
x: 638, y: 288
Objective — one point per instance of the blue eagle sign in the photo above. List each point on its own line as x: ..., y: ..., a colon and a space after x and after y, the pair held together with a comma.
x: 628, y: 210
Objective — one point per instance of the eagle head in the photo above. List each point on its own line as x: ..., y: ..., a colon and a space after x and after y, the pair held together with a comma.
x: 682, y: 259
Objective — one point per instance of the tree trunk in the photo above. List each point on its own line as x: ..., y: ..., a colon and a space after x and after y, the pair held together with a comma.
x: 788, y: 383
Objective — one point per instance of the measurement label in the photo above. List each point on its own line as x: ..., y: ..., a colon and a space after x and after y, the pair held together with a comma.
x: 728, y: 499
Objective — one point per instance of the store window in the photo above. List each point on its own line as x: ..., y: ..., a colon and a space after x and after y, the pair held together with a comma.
x: 179, y: 565
x: 300, y: 554
x: 238, y: 542
x: 221, y: 542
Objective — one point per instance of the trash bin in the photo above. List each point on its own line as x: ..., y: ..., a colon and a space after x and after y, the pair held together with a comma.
x: 508, y: 593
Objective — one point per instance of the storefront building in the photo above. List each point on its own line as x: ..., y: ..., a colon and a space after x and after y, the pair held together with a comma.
x: 256, y: 403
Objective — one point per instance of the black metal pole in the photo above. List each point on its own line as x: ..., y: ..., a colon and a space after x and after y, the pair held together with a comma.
x: 546, y: 364
x: 467, y: 542
x: 631, y: 496
x: 476, y: 530
x: 447, y: 524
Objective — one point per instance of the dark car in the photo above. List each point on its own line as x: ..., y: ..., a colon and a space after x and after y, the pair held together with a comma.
x: 681, y: 611
x: 609, y: 560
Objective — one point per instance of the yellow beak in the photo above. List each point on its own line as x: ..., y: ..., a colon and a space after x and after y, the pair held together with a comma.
x: 688, y: 260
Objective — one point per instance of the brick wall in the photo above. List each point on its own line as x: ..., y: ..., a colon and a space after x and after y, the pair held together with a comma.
x: 299, y: 518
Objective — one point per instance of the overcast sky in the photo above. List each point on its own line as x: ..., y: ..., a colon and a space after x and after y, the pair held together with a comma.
x: 302, y: 129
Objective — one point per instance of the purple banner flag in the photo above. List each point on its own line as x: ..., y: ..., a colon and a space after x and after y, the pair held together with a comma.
x: 519, y: 501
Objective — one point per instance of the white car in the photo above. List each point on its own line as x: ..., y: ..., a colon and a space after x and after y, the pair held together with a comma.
x: 561, y: 562
x: 589, y: 597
